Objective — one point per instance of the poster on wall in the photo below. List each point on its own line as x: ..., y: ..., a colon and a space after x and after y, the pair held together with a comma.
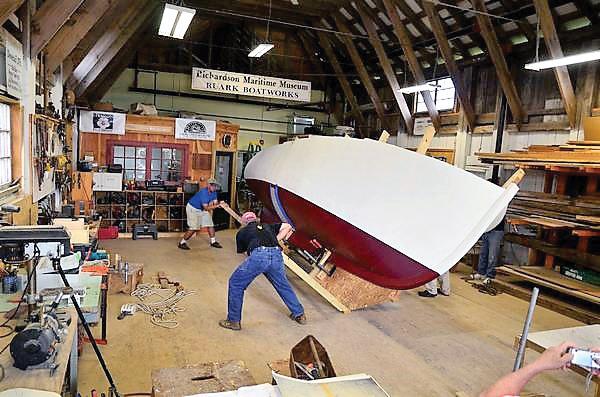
x: 421, y: 124
x: 14, y: 64
x: 202, y: 130
x: 251, y: 85
x: 102, y: 122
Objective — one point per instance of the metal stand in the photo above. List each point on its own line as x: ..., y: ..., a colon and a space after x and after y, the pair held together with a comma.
x: 88, y: 331
x: 525, y: 333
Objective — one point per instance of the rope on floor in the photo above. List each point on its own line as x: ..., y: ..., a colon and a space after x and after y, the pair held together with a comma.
x: 163, y: 311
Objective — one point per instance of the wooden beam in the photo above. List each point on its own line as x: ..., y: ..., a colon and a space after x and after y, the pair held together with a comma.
x: 413, y: 62
x: 48, y: 19
x: 362, y: 71
x: 109, y: 45
x: 554, y: 49
x: 497, y: 57
x: 311, y: 51
x: 72, y: 32
x: 346, y: 87
x: 455, y: 74
x: 7, y: 7
x: 388, y: 70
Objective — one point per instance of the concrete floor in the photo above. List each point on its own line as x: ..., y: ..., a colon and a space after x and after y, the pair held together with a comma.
x: 414, y: 347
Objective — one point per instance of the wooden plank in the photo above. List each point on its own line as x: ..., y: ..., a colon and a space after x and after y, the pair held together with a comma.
x: 544, y: 300
x: 426, y: 140
x: 451, y: 66
x: 48, y: 19
x: 109, y: 45
x: 16, y: 140
x: 584, y: 259
x: 388, y: 70
x: 72, y: 32
x: 554, y: 48
x: 308, y: 279
x: 556, y: 284
x: 7, y: 7
x: 497, y: 56
x: 341, y: 77
x: 363, y: 73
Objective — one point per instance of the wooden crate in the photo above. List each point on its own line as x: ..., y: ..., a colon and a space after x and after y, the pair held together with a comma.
x: 117, y: 284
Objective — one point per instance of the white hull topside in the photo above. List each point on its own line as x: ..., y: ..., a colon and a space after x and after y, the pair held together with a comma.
x: 424, y: 208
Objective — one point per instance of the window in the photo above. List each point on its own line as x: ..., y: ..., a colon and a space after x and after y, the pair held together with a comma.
x: 5, y: 162
x: 443, y: 96
x: 145, y: 161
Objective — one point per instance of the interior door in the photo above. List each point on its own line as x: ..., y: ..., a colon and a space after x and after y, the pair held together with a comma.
x: 223, y: 169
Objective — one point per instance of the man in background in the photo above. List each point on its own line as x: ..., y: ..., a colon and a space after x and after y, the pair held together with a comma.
x: 199, y: 214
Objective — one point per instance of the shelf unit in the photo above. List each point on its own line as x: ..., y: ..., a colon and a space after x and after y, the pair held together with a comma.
x: 127, y: 208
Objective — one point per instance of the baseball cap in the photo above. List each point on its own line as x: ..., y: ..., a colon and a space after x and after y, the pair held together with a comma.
x: 213, y: 181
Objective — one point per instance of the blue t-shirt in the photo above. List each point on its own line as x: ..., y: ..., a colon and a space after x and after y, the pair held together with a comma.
x: 203, y: 197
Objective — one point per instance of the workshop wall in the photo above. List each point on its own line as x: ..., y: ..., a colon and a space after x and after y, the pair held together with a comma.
x: 255, y: 121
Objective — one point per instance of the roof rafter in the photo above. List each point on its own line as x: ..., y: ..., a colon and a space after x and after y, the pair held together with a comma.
x: 48, y: 19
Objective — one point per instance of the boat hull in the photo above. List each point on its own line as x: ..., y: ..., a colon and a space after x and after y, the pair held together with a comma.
x: 390, y: 216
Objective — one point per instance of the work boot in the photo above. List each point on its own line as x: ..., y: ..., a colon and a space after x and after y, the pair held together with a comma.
x: 232, y: 325
x: 442, y: 292
x: 301, y: 319
x: 183, y: 246
x: 216, y: 244
x: 476, y: 276
x: 426, y: 294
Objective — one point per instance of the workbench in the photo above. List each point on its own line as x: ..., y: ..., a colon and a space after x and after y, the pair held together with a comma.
x: 585, y: 337
x: 40, y: 379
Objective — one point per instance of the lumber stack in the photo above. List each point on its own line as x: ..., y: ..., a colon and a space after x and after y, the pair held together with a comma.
x: 556, y: 210
x: 574, y: 153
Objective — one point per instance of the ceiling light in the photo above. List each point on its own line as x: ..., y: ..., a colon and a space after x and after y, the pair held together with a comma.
x: 294, y: 2
x: 260, y: 50
x: 175, y: 21
x: 419, y: 88
x: 564, y: 61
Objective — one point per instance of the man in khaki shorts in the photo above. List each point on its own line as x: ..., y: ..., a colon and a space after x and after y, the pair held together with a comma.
x: 199, y: 214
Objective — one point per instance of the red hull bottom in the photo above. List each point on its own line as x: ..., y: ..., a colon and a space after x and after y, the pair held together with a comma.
x: 352, y: 249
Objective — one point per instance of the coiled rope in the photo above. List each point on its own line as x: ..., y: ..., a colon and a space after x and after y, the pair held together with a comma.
x: 163, y: 311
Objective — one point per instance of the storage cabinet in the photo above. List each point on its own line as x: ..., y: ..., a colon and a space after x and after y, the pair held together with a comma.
x: 127, y: 208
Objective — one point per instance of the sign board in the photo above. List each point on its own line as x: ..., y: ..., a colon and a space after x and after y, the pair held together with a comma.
x: 102, y: 122
x: 107, y: 181
x: 200, y: 130
x: 14, y: 65
x: 250, y: 85
x: 421, y: 124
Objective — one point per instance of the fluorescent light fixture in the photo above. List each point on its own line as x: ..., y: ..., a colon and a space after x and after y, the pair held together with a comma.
x: 260, y: 50
x: 570, y: 60
x: 419, y: 88
x: 175, y: 21
x: 295, y: 2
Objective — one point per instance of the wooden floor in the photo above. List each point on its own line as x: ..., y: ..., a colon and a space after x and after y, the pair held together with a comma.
x: 414, y: 347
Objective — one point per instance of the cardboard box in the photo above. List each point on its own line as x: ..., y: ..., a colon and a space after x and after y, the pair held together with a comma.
x: 591, y: 128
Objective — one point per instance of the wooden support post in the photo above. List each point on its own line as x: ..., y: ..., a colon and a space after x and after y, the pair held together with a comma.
x: 384, y: 136
x: 561, y: 73
x: 517, y: 177
x: 426, y: 140
x: 497, y: 57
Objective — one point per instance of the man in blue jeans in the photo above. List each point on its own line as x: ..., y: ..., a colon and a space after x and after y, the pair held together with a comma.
x: 490, y: 253
x: 261, y: 243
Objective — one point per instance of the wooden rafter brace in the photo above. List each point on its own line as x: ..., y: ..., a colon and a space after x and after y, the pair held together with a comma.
x: 413, y: 62
x: 7, y: 7
x: 386, y: 65
x: 50, y: 17
x: 451, y: 66
x: 362, y: 70
x: 497, y: 56
x: 71, y: 33
x: 341, y: 76
x: 562, y: 72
